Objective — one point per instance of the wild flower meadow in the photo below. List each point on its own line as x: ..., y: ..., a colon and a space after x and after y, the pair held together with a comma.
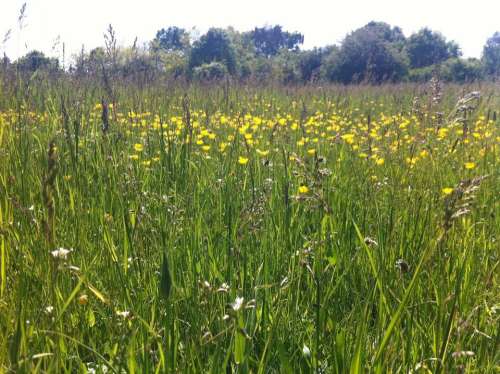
x: 231, y: 229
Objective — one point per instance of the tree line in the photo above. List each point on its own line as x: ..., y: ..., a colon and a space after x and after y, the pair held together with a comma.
x: 375, y: 53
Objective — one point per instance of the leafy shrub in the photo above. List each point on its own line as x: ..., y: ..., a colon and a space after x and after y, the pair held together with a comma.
x: 213, y: 71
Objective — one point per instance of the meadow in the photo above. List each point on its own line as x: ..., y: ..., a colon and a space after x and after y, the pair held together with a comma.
x: 217, y: 228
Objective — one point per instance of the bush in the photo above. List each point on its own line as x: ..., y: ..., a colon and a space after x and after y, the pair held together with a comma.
x: 422, y: 75
x: 36, y: 60
x: 452, y: 70
x: 214, y: 46
x: 460, y: 70
x: 210, y: 72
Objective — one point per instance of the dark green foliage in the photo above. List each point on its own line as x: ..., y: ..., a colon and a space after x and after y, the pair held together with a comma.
x: 215, y: 45
x: 130, y: 63
x: 451, y: 70
x: 310, y: 64
x: 461, y: 70
x: 263, y: 70
x: 166, y: 279
x: 428, y: 47
x: 386, y: 32
x: 172, y: 39
x: 210, y: 72
x: 139, y: 65
x: 269, y: 41
x: 491, y: 54
x: 369, y: 54
x: 375, y: 53
x: 422, y: 75
x: 36, y: 60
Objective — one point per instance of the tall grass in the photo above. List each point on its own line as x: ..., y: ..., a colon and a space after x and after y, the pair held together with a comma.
x: 339, y: 230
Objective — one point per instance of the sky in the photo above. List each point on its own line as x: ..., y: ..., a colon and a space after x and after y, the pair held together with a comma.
x: 50, y: 23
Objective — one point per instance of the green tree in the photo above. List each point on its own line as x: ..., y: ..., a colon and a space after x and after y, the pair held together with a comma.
x: 175, y: 64
x: 264, y: 71
x: 386, y: 32
x: 214, y: 46
x: 372, y: 53
x: 491, y: 54
x: 172, y: 39
x: 462, y: 70
x: 91, y: 64
x: 36, y: 60
x: 244, y: 52
x: 427, y: 47
x: 137, y: 64
x: 268, y: 41
x: 310, y: 64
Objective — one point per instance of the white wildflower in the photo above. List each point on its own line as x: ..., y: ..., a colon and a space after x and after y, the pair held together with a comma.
x: 237, y: 304
x: 224, y: 287
x: 124, y: 314
x: 306, y: 351
x: 462, y: 354
x: 61, y: 253
x: 251, y: 304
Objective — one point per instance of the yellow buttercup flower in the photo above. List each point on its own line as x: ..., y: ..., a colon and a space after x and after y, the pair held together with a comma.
x: 411, y: 160
x: 447, y: 190
x: 262, y: 153
x: 470, y: 165
x: 242, y: 160
x: 348, y: 138
x: 138, y: 147
x: 303, y: 189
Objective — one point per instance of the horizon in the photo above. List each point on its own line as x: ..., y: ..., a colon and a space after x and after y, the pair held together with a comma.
x: 50, y: 24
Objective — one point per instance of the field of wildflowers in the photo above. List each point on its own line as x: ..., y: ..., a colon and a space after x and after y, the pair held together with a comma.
x: 212, y: 229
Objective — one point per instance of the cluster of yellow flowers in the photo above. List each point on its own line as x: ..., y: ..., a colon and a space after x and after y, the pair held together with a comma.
x: 400, y: 137
x: 380, y: 139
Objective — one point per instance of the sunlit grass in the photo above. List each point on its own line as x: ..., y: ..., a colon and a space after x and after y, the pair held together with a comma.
x: 330, y: 230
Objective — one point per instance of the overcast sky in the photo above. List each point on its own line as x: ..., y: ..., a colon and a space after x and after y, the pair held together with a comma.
x: 323, y: 22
